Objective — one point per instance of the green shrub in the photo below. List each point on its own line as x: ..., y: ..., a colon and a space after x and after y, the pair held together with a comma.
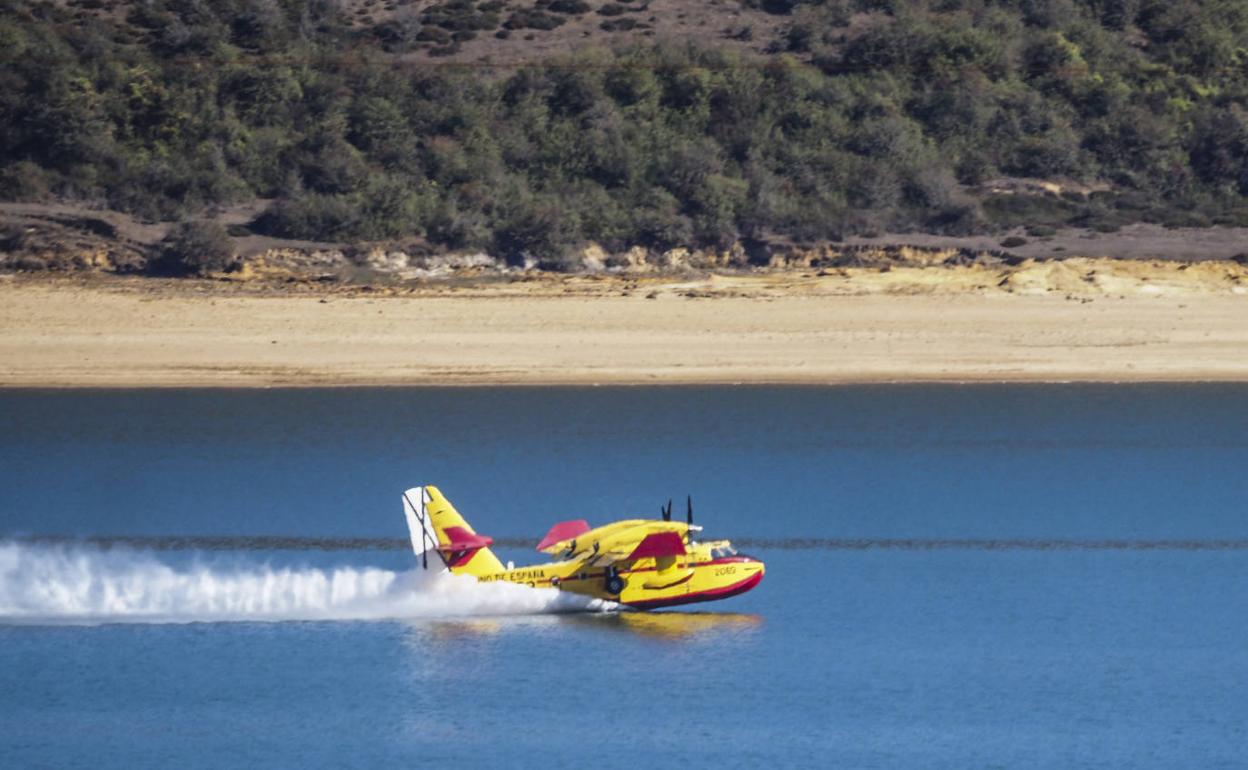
x: 572, y: 7
x: 23, y: 181
x: 396, y: 36
x: 533, y: 19
x: 1236, y: 217
x: 194, y: 247
x: 1022, y: 210
x: 1177, y: 218
x: 965, y: 218
x: 445, y: 50
x: 433, y: 35
x: 460, y: 16
x: 1013, y: 242
x: 618, y: 25
x: 29, y: 263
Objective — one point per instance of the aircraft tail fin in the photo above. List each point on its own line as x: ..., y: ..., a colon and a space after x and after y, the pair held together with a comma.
x: 434, y: 525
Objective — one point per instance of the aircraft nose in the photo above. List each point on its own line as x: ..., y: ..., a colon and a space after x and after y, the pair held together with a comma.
x: 754, y: 560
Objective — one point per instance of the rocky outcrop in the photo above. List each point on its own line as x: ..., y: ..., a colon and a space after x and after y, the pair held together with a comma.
x: 34, y: 249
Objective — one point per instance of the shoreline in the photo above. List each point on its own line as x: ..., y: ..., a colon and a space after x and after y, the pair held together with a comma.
x: 920, y: 326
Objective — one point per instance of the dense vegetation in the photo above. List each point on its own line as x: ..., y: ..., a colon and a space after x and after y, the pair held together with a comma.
x: 869, y: 115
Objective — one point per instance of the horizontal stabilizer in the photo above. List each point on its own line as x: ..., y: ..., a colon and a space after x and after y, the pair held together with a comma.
x: 461, y: 539
x: 658, y: 544
x: 561, y: 532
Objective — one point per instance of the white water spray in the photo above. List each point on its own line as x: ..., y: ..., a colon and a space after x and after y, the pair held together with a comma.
x: 81, y: 584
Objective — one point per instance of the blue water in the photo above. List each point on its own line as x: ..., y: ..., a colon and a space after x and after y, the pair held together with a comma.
x: 957, y: 577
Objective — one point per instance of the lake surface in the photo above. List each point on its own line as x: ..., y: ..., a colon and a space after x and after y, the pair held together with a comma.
x: 984, y: 576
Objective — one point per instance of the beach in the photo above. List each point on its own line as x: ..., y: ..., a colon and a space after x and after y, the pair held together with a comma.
x: 921, y: 325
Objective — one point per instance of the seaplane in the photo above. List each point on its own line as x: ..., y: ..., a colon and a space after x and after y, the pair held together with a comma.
x: 643, y: 564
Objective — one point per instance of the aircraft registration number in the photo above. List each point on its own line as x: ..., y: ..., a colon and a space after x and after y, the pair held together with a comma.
x: 721, y: 571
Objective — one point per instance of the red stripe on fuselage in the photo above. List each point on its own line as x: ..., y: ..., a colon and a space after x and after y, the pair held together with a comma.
x: 695, y: 565
x: 701, y: 596
x: 602, y: 573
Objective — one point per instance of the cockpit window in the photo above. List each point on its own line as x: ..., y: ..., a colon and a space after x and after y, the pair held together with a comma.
x: 722, y: 551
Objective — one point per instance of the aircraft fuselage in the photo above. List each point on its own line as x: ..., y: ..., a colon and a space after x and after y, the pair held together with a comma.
x: 699, y: 576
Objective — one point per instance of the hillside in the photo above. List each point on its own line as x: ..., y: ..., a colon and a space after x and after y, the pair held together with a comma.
x: 528, y: 130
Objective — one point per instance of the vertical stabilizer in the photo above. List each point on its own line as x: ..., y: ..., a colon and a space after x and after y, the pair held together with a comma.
x: 434, y: 525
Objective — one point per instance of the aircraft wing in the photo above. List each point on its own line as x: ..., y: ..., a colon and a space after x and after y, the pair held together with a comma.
x: 654, y: 545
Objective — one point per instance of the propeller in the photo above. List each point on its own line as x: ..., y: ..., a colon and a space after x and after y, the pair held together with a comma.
x: 666, y: 511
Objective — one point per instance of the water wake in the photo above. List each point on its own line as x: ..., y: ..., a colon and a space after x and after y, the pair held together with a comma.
x: 81, y: 584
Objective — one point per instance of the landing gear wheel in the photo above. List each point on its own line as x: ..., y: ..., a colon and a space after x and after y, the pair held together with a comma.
x: 615, y: 584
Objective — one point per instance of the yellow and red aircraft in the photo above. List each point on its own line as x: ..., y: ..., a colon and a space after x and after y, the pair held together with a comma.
x: 641, y: 563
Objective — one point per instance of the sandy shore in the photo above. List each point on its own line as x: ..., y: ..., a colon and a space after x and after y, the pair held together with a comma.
x: 748, y: 329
